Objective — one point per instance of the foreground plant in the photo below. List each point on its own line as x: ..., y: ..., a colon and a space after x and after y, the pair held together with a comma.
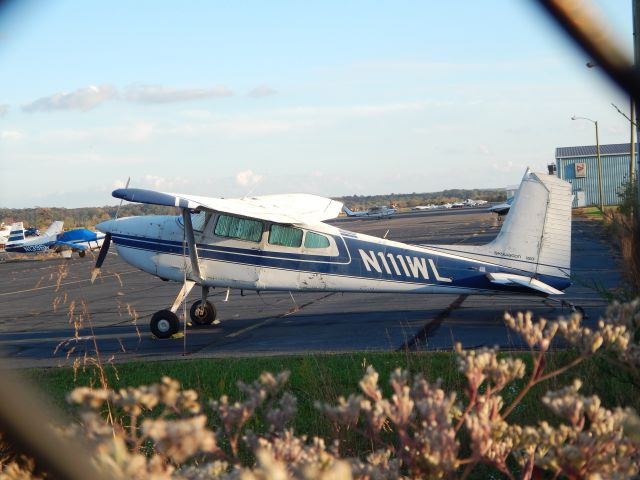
x: 418, y: 431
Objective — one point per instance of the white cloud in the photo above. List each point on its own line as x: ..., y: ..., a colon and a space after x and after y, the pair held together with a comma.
x: 356, y: 110
x: 159, y: 94
x: 196, y: 114
x: 83, y: 99
x: 134, y: 133
x: 11, y: 135
x: 262, y: 91
x: 247, y: 178
x: 4, y: 109
x: 483, y: 149
x: 158, y: 182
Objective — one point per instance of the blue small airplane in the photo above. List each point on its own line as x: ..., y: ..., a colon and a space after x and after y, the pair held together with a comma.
x: 79, y: 240
x: 54, y: 239
x: 280, y: 242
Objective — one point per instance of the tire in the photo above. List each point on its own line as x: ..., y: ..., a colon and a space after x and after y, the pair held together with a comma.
x: 164, y: 324
x: 82, y: 253
x: 208, y: 316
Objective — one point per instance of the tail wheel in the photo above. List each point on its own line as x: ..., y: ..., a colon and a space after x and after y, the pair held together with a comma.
x: 164, y: 324
x: 202, y: 315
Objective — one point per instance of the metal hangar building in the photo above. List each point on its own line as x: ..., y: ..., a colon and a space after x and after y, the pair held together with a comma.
x: 579, y: 166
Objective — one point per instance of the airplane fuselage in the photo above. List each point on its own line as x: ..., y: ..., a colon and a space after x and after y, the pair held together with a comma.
x: 352, y: 262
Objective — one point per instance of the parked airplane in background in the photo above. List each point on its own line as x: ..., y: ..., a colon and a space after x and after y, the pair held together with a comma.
x: 54, y: 239
x: 374, y: 212
x: 79, y: 240
x: 5, y: 230
x: 18, y: 242
x: 474, y: 203
x: 280, y: 242
x: 502, y: 208
x: 424, y: 207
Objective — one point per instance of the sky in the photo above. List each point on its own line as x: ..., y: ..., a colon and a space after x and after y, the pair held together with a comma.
x: 230, y: 98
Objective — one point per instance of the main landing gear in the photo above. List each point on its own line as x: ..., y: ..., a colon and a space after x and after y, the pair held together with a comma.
x: 165, y: 323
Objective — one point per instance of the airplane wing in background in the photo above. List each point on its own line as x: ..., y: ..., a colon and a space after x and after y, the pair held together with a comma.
x: 295, y: 208
x: 71, y: 245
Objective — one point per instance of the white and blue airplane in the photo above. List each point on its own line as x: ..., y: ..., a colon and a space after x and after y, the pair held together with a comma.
x: 54, y: 239
x: 19, y: 243
x: 373, y: 212
x: 281, y: 243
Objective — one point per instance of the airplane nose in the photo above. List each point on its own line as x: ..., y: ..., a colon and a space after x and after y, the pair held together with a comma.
x: 106, y: 227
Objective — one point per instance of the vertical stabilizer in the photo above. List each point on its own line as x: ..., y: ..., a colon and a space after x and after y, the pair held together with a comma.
x: 536, y: 234
x: 54, y: 229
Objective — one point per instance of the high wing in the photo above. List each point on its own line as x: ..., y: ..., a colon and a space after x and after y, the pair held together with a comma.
x: 295, y: 208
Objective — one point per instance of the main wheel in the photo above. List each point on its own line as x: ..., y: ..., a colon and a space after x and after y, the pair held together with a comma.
x: 164, y: 324
x: 81, y: 253
x: 202, y: 316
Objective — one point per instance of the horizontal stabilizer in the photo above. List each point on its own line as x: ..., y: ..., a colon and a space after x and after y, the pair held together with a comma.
x: 523, y: 281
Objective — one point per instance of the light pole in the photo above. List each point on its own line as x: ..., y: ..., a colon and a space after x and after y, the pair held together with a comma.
x: 632, y: 120
x: 599, y: 161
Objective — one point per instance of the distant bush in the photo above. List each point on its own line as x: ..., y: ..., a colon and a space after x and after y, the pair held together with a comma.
x: 41, y: 217
x: 408, y: 200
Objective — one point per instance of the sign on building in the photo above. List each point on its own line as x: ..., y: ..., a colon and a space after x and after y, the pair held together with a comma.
x: 581, y: 169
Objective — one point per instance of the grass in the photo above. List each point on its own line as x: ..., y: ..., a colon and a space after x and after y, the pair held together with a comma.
x: 325, y: 377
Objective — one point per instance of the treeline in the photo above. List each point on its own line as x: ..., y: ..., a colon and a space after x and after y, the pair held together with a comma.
x: 41, y: 217
x: 408, y: 200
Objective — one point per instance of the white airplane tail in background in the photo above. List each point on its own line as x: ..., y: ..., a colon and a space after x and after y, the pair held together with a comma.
x: 17, y: 233
x: 536, y: 235
x: 54, y: 229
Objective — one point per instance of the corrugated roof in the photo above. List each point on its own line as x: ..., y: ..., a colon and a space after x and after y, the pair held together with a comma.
x: 590, y: 150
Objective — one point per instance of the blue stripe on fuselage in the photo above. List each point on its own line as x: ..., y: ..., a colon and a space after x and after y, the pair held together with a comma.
x: 384, y: 262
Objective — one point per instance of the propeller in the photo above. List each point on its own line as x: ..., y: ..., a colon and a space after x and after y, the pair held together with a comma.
x: 104, y: 249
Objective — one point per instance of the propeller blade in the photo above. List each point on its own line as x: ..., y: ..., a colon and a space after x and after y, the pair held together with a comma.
x: 101, y: 256
x: 119, y: 206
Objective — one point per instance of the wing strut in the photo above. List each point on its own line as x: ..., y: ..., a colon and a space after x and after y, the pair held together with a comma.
x: 191, y: 243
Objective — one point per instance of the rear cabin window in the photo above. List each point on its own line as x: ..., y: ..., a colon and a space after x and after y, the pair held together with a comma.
x: 315, y: 240
x: 240, y: 228
x: 285, y: 236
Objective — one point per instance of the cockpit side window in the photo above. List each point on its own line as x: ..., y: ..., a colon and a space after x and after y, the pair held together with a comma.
x: 240, y: 228
x: 315, y: 240
x: 285, y: 236
x: 198, y: 220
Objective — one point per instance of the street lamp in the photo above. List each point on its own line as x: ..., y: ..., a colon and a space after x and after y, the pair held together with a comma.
x: 632, y: 121
x: 598, y: 155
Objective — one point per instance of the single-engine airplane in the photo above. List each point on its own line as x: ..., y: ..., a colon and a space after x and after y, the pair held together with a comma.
x: 280, y: 242
x: 373, y: 212
x: 20, y: 243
